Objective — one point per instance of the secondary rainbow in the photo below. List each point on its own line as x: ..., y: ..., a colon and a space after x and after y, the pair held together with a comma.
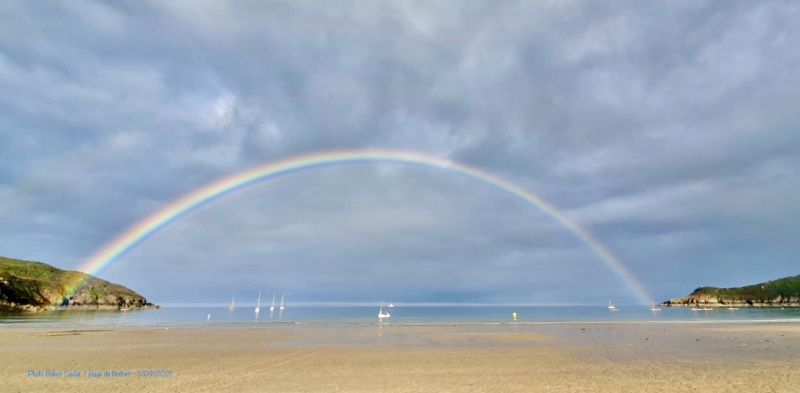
x: 184, y: 205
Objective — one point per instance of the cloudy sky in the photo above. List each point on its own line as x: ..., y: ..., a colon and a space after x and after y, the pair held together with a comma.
x: 670, y: 130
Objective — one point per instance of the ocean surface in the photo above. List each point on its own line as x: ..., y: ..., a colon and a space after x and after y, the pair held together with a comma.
x: 220, y: 315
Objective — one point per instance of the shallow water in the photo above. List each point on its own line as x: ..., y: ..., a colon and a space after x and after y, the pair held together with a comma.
x: 198, y: 315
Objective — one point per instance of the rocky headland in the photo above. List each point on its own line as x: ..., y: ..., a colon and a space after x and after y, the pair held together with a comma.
x: 784, y: 292
x: 27, y: 286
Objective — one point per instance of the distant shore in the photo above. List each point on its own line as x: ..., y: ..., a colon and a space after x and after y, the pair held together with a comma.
x: 672, y: 303
x: 558, y: 357
x: 12, y: 307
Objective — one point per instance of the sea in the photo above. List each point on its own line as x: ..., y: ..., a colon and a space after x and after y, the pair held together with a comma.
x: 219, y: 315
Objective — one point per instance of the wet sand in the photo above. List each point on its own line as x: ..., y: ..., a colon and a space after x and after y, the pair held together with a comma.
x: 568, y: 357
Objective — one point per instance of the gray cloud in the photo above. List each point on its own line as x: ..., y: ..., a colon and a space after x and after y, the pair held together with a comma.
x: 669, y: 130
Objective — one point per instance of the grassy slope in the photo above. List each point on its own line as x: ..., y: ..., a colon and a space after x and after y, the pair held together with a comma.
x: 37, y: 283
x: 785, y: 288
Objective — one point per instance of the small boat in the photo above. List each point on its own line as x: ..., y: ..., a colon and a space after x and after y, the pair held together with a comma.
x: 391, y: 305
x: 612, y: 307
x: 383, y: 314
x: 281, y: 307
x: 258, y: 305
x: 733, y: 308
x: 232, y: 307
x: 272, y: 307
x: 208, y: 318
x: 654, y: 307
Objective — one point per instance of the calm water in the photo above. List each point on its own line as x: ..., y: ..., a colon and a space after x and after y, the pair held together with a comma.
x: 177, y: 316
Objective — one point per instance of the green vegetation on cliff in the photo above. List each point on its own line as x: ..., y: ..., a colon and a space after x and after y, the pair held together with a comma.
x: 34, y: 286
x: 784, y: 291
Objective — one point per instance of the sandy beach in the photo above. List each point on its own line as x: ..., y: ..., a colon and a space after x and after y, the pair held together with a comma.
x: 568, y: 357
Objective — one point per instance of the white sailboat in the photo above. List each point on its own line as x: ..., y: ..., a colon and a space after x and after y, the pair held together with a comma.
x: 272, y: 307
x: 391, y: 305
x: 612, y: 307
x: 383, y: 314
x: 281, y: 307
x: 654, y: 307
x: 232, y: 307
x: 258, y: 305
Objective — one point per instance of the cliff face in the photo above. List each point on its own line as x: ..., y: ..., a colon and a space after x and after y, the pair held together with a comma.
x: 36, y: 286
x: 777, y: 293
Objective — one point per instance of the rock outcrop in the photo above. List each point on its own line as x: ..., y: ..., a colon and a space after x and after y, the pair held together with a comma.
x: 784, y: 292
x: 36, y: 286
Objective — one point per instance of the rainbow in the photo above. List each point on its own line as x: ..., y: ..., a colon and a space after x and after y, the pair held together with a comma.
x: 184, y: 205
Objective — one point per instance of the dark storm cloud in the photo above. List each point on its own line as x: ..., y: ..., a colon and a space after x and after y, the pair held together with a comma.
x: 668, y: 129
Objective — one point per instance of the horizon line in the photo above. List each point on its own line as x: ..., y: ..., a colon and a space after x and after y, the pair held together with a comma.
x: 398, y: 304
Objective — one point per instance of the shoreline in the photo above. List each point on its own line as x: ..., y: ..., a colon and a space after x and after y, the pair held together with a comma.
x: 16, y: 308
x: 684, y: 304
x: 226, y: 325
